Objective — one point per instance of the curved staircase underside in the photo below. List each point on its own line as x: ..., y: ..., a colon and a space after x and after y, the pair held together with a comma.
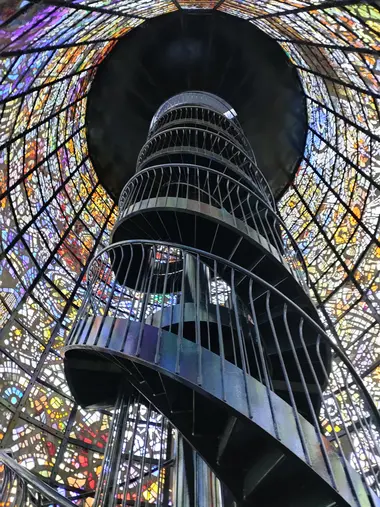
x: 247, y: 434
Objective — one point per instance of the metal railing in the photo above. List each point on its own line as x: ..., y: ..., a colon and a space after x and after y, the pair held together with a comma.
x: 243, y: 320
x: 139, y: 456
x: 240, y: 206
x: 20, y: 488
x: 209, y: 118
x: 189, y: 98
x: 197, y: 142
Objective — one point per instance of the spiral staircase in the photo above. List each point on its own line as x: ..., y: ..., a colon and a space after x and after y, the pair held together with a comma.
x: 201, y: 305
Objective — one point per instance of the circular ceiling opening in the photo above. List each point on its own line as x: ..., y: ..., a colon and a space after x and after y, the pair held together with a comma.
x: 211, y: 52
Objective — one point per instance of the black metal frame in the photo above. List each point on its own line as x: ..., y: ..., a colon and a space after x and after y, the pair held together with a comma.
x: 98, y: 327
x: 120, y: 319
x: 348, y: 49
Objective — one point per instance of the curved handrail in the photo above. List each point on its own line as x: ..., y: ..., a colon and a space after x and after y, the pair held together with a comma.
x: 257, y: 196
x: 221, y: 135
x: 165, y: 119
x: 175, y: 102
x: 212, y: 127
x: 233, y: 123
x: 196, y: 166
x: 252, y: 276
x: 243, y: 152
x: 246, y: 322
x: 214, y: 156
x: 30, y: 479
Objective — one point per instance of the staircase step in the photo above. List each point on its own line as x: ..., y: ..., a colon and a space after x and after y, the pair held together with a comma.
x: 246, y: 454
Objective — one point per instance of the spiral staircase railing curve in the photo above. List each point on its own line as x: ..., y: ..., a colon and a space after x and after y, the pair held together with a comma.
x: 203, y: 116
x: 207, y: 315
x: 20, y: 488
x: 199, y: 98
x: 117, y: 320
x: 176, y: 181
x: 208, y: 142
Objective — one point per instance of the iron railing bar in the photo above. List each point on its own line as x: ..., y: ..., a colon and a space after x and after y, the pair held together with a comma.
x: 147, y: 294
x: 30, y: 478
x: 268, y: 286
x: 220, y: 333
x: 286, y: 377
x: 248, y: 190
x: 159, y: 334
x: 198, y: 323
x: 124, y: 341
x: 317, y: 383
x: 181, y: 318
x: 303, y: 381
x: 267, y: 383
x: 238, y: 149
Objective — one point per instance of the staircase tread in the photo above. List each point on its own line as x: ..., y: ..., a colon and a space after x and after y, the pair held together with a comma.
x: 252, y: 431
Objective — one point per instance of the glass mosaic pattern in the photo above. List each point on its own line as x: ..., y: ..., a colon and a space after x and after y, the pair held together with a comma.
x: 55, y: 215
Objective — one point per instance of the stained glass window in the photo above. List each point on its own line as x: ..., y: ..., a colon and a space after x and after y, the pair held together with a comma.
x: 55, y: 215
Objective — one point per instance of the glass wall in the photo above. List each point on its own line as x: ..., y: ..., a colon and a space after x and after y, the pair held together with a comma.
x: 55, y: 215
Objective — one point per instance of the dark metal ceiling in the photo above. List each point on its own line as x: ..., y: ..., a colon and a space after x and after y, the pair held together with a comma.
x: 186, y: 51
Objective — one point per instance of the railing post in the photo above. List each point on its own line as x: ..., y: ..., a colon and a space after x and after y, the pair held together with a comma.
x: 106, y: 491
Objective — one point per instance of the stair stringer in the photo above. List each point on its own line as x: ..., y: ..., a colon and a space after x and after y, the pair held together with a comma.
x: 131, y: 344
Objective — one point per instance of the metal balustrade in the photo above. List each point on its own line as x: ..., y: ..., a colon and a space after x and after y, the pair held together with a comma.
x: 206, y: 118
x: 20, y: 488
x: 223, y: 323
x: 198, y: 98
x: 137, y: 467
x: 201, y: 305
x: 203, y: 190
x: 195, y: 142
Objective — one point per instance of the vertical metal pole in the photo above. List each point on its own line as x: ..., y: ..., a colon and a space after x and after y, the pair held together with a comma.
x: 166, y: 488
x: 107, y: 485
x: 195, y: 485
x: 208, y: 489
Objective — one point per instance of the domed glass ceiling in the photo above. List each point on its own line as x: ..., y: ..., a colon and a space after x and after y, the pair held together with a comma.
x: 54, y: 213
